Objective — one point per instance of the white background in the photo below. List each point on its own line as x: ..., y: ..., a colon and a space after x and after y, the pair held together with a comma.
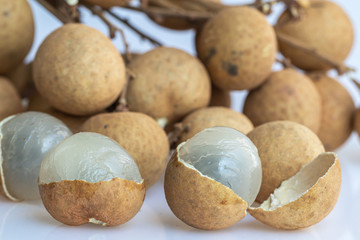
x: 29, y: 220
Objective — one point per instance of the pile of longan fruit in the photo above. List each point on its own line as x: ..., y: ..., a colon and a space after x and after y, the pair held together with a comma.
x: 78, y: 75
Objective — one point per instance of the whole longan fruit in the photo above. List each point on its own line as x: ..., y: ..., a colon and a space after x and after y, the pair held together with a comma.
x: 177, y: 23
x: 337, y: 111
x: 78, y: 70
x: 284, y: 147
x: 17, y: 33
x: 10, y: 101
x: 214, y: 117
x: 167, y: 83
x: 139, y: 135
x: 21, y: 77
x: 238, y: 47
x: 220, y: 97
x: 285, y: 95
x: 322, y: 26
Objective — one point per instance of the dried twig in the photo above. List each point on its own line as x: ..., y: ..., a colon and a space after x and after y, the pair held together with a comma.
x: 52, y: 9
x: 129, y: 25
x: 174, y: 135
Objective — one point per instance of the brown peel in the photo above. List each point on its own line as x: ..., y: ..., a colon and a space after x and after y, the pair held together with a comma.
x: 199, y: 201
x: 107, y: 203
x: 313, y: 205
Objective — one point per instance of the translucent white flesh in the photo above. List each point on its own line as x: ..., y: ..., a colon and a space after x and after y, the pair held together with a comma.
x: 26, y: 139
x: 227, y: 156
x: 300, y: 183
x: 90, y: 157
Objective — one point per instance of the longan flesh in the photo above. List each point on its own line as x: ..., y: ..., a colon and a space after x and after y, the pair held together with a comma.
x: 91, y: 157
x: 228, y: 157
x: 26, y: 139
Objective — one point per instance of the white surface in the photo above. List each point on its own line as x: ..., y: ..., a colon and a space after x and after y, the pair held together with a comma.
x: 29, y: 220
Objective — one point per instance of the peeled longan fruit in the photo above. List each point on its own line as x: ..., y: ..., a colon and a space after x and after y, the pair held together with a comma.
x: 177, y: 23
x: 168, y: 83
x: 17, y: 33
x: 108, y: 3
x: 356, y: 120
x: 323, y: 26
x: 39, y: 104
x: 25, y: 140
x: 212, y: 117
x: 212, y: 178
x: 90, y: 178
x: 304, y: 199
x: 337, y: 111
x: 140, y: 135
x: 238, y: 47
x: 284, y: 147
x: 10, y: 101
x: 78, y: 70
x: 286, y: 95
x: 220, y: 97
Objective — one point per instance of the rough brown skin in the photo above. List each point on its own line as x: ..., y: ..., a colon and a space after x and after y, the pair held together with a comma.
x: 317, y: 29
x: 39, y: 104
x: 238, y: 47
x: 337, y: 111
x: 75, y: 202
x: 10, y: 101
x: 168, y: 83
x: 220, y: 97
x: 286, y: 95
x: 200, y: 201
x: 212, y: 117
x: 284, y: 147
x: 174, y: 22
x: 310, y: 208
x: 21, y: 77
x: 78, y: 70
x: 108, y: 3
x: 17, y: 33
x: 356, y: 120
x: 139, y: 135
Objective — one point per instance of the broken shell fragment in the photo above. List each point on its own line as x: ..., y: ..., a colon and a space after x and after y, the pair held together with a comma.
x: 304, y: 199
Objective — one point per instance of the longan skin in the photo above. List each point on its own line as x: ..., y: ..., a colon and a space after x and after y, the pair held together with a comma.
x: 168, y: 83
x: 356, y: 121
x: 140, y: 135
x: 10, y: 101
x: 220, y: 97
x: 238, y: 47
x: 212, y: 117
x: 284, y: 147
x: 310, y: 208
x: 75, y: 202
x: 323, y: 26
x: 285, y: 95
x: 21, y: 77
x: 78, y: 70
x: 337, y: 111
x: 17, y: 33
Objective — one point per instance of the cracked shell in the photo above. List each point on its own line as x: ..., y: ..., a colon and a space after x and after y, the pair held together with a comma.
x: 304, y: 199
x: 212, y: 178
x: 90, y: 178
x: 284, y: 147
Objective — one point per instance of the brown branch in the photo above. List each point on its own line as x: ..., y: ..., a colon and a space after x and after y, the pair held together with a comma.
x: 129, y: 25
x: 112, y: 28
x: 59, y: 15
x: 174, y: 136
x: 295, y: 43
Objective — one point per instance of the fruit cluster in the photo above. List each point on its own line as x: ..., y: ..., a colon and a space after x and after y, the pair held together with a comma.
x: 269, y: 160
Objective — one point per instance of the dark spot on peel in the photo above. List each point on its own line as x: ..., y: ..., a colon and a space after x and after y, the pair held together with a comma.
x: 211, y: 53
x: 223, y: 202
x: 106, y: 126
x: 6, y: 13
x: 230, y: 68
